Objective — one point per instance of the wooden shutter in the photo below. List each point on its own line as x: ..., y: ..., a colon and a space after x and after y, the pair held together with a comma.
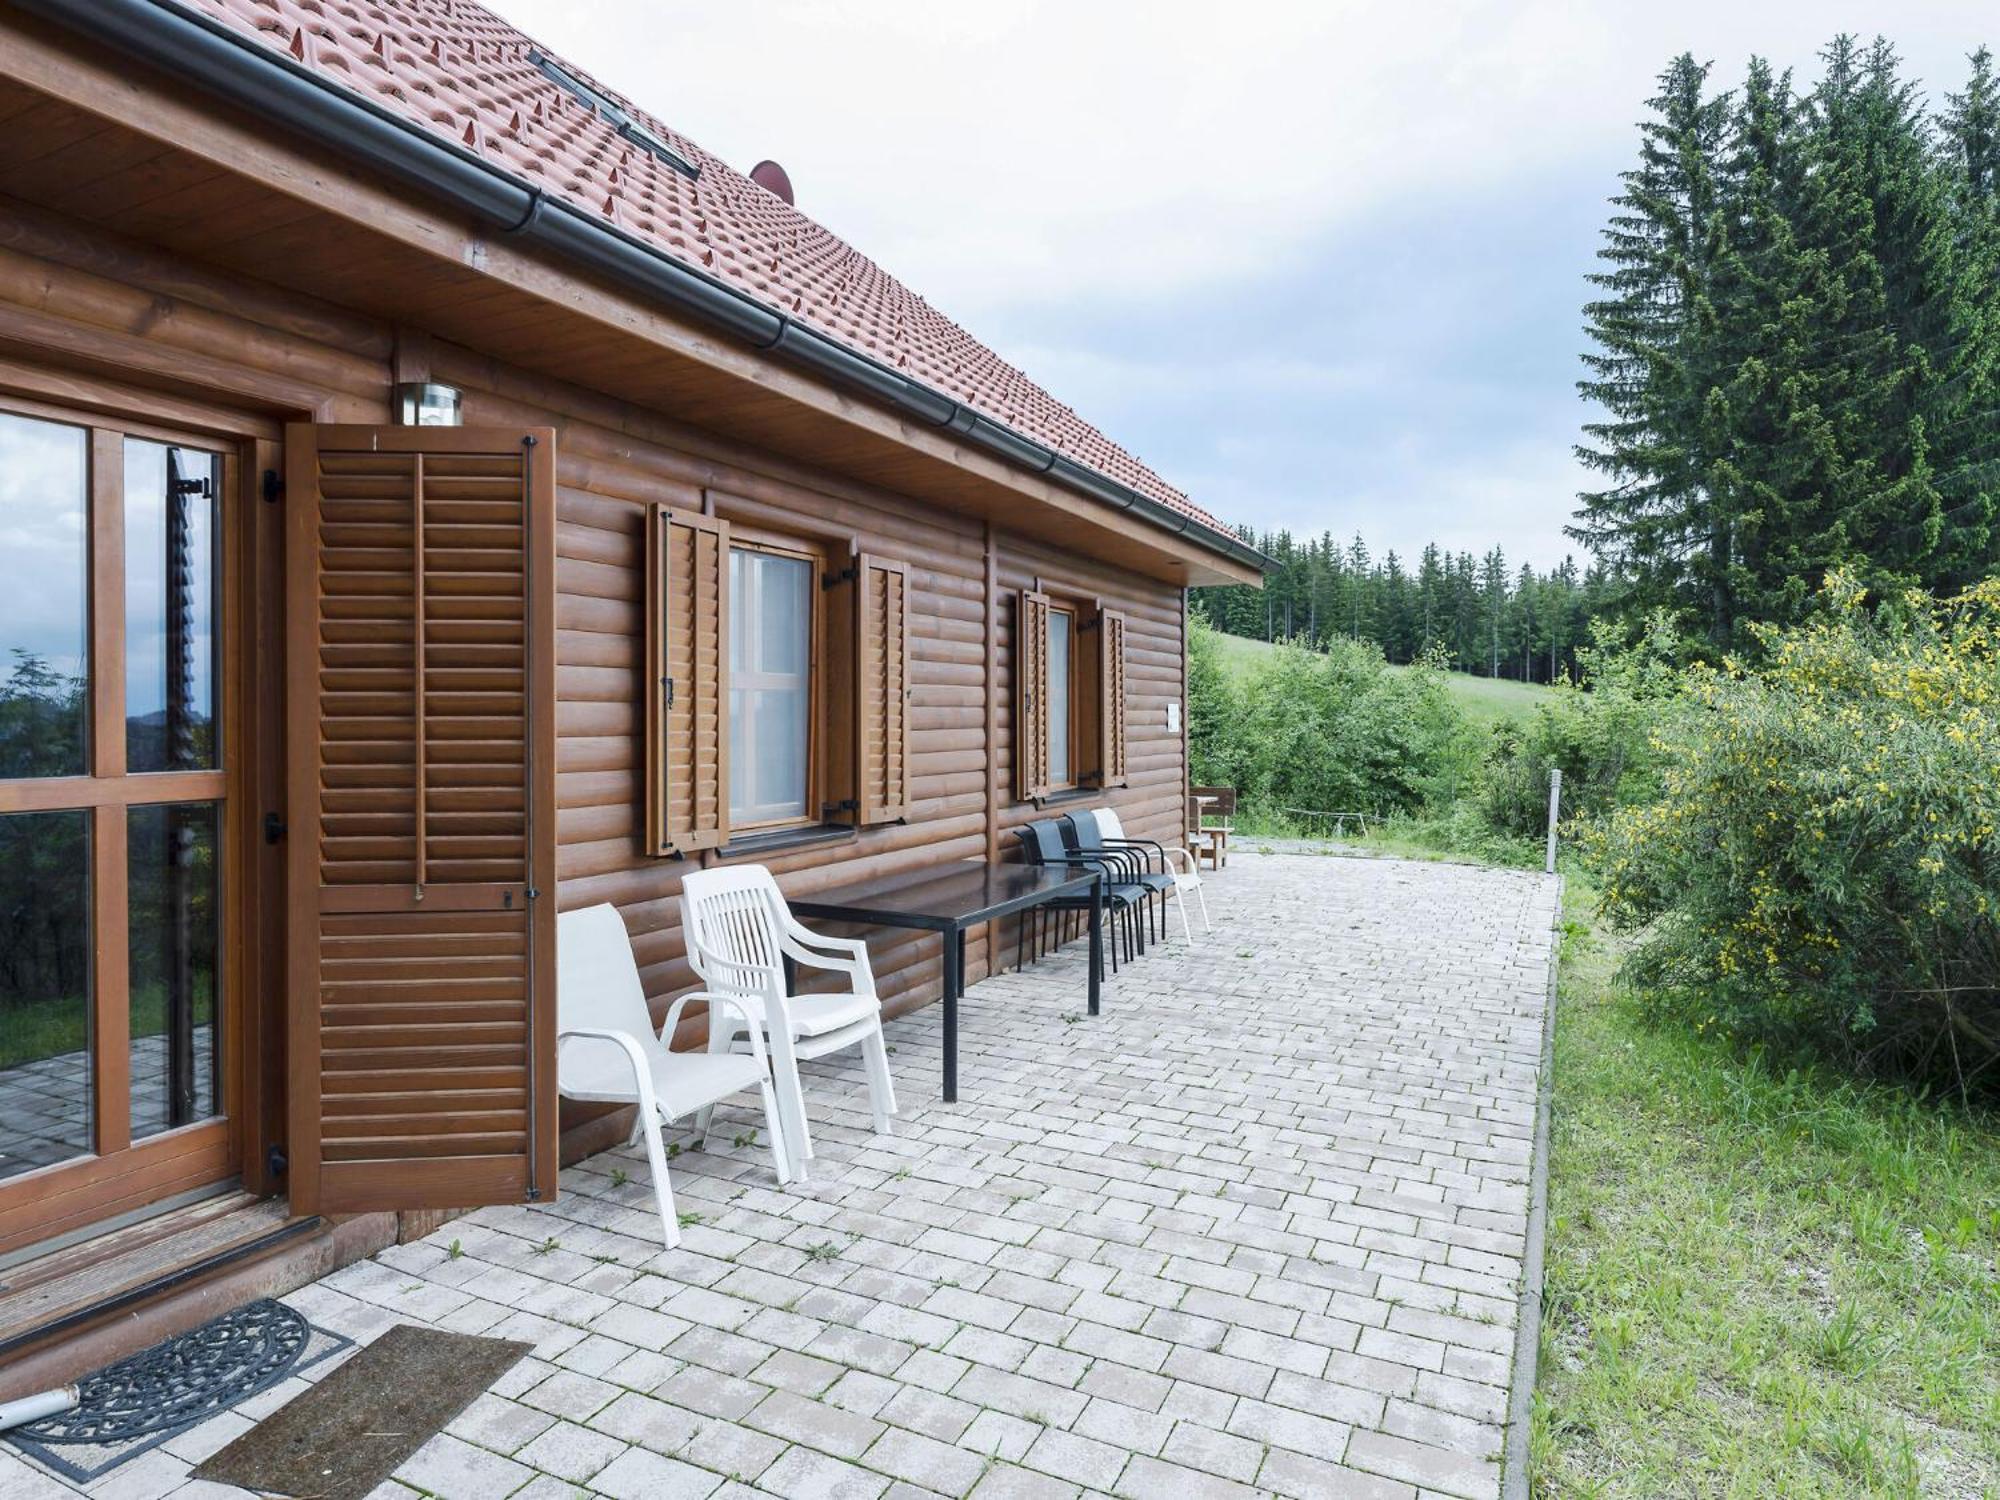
x: 882, y: 687
x: 1111, y: 697
x: 687, y: 703
x: 1031, y: 696
x: 421, y: 789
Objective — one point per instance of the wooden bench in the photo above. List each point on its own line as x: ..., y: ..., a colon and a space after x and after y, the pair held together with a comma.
x: 1211, y: 811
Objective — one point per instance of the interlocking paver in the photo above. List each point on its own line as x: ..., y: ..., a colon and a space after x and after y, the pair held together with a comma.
x: 640, y: 1475
x: 1257, y: 1228
x: 570, y: 1452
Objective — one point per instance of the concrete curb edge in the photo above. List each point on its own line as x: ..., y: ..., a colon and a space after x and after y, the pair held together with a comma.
x: 1528, y: 1329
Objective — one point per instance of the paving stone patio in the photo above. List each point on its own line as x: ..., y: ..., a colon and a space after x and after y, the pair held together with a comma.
x: 1256, y: 1230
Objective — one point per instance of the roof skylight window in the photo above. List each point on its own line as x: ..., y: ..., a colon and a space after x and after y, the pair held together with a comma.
x: 613, y: 113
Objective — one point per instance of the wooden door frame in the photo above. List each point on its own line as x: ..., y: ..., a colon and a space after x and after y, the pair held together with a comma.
x: 74, y: 1194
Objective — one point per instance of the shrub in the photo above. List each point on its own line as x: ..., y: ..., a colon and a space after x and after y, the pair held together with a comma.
x: 1212, y: 709
x: 1599, y: 735
x: 1337, y: 731
x: 1821, y: 862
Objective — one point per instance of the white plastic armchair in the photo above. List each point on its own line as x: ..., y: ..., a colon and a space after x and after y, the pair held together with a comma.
x: 1180, y: 864
x: 739, y: 933
x: 607, y: 1051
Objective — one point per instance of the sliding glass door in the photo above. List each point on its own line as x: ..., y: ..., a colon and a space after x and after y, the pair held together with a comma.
x: 115, y: 819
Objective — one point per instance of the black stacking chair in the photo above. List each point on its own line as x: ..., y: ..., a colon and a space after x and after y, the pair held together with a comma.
x: 1084, y: 836
x: 1042, y: 843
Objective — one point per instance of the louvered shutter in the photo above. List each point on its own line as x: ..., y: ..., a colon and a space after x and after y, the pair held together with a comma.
x: 687, y: 739
x: 1111, y: 703
x: 420, y: 645
x: 882, y: 687
x: 1031, y: 696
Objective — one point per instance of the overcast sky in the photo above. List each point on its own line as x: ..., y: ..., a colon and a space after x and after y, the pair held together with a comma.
x: 1319, y: 264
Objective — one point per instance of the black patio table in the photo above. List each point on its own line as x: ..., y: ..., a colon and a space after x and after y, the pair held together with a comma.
x: 949, y: 899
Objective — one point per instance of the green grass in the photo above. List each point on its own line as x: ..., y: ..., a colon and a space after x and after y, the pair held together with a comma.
x: 1486, y: 700
x: 1760, y: 1281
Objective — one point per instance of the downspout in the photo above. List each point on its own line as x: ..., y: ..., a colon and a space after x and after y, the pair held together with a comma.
x: 197, y: 50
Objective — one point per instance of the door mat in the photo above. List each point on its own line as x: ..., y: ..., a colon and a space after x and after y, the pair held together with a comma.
x: 354, y: 1429
x: 133, y: 1406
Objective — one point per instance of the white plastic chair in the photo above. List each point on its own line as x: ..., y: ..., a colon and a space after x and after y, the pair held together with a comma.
x: 739, y: 933
x: 1179, y: 862
x: 608, y: 1053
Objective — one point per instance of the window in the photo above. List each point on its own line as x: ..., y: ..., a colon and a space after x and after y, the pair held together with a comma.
x: 1069, y: 696
x: 770, y: 686
x: 1061, y: 692
x: 612, y: 113
x: 779, y: 686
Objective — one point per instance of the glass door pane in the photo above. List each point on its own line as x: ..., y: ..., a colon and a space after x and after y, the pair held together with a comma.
x: 171, y: 500
x: 44, y: 581
x: 174, y: 927
x: 45, y: 989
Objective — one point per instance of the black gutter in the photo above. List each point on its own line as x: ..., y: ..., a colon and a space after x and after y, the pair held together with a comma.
x: 199, y: 52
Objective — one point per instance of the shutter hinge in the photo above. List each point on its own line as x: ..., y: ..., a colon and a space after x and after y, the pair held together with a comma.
x: 273, y: 487
x: 274, y: 828
x: 668, y: 683
x: 835, y: 580
x: 845, y: 805
x: 275, y: 1161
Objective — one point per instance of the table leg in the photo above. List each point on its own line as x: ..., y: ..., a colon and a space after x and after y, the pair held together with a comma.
x: 954, y: 972
x: 1096, y: 942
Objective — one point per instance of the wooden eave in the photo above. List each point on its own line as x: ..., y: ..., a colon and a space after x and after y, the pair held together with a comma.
x: 90, y: 137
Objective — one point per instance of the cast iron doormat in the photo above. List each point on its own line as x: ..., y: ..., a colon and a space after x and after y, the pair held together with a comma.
x: 354, y: 1429
x: 138, y: 1403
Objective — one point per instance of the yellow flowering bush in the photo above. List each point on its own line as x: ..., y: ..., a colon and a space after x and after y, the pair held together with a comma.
x: 1821, y: 863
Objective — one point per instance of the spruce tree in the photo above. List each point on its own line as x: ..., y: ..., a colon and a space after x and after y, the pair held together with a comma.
x: 1969, y: 142
x: 1654, y: 328
x: 1431, y: 599
x: 1766, y: 423
x: 1493, y: 604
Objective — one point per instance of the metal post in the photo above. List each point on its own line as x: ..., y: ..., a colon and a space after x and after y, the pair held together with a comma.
x: 953, y: 979
x: 1555, y: 812
x: 180, y: 755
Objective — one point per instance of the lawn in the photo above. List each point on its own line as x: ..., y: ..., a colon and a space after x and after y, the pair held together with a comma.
x: 1760, y: 1281
x: 1486, y: 700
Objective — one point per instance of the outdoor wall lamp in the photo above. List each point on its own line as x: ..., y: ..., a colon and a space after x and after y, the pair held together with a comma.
x: 428, y: 403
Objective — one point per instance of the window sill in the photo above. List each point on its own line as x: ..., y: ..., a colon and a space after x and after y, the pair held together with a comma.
x: 807, y: 836
x: 1068, y: 795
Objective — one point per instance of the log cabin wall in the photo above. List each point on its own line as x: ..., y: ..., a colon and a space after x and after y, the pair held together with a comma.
x: 69, y: 294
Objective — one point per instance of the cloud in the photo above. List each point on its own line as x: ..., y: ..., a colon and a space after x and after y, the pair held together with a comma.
x: 1311, y: 260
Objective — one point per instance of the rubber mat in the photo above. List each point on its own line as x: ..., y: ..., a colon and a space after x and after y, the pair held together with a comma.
x: 355, y: 1428
x: 134, y: 1405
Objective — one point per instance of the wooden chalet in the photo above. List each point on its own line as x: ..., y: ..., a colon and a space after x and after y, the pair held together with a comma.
x: 434, y: 492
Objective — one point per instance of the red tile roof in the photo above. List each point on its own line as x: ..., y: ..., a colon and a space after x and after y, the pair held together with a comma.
x: 459, y: 70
